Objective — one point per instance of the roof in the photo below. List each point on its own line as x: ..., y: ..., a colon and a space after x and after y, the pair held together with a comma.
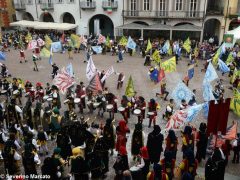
x: 44, y: 25
x: 132, y: 26
x: 188, y: 27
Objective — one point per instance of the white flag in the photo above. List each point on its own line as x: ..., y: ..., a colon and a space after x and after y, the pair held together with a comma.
x: 107, y: 74
x: 91, y: 69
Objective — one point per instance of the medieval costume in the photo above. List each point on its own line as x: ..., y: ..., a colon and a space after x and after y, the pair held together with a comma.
x: 154, y: 144
x: 168, y: 164
x: 187, y: 140
x: 34, y: 59
x: 169, y: 110
x: 153, y: 106
x: 202, y: 140
x: 54, y: 70
x: 42, y: 141
x: 109, y: 134
x: 121, y: 78
x: 145, y: 157
x: 141, y: 105
x: 22, y: 56
x: 121, y: 131
x: 171, y: 143
x: 39, y: 92
x: 121, y: 163
x: 236, y: 149
x: 64, y: 142
x: 126, y: 105
x: 55, y: 121
x: 137, y: 140
x: 183, y: 105
x: 157, y: 173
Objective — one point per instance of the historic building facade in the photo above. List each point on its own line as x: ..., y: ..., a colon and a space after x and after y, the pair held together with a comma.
x: 7, y: 13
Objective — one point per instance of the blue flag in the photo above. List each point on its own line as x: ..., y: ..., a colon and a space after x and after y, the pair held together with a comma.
x: 191, y: 71
x: 56, y: 46
x: 207, y: 92
x: 165, y: 47
x: 222, y: 66
x: 205, y: 110
x: 50, y: 60
x: 97, y: 49
x: 69, y: 69
x: 2, y: 56
x: 154, y: 75
x: 131, y: 44
x: 180, y: 92
x: 193, y: 111
x: 211, y: 73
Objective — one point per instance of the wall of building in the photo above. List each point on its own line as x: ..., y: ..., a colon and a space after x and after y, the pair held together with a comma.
x: 7, y: 15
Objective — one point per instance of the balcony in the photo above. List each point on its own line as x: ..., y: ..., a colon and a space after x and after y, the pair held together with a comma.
x: 112, y: 5
x: 88, y: 5
x: 47, y: 6
x: 214, y: 11
x: 164, y: 14
x: 19, y: 7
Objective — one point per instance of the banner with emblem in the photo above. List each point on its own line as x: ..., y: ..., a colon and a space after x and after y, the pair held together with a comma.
x: 56, y: 46
x: 108, y: 73
x: 235, y: 102
x: 101, y: 39
x: 40, y: 42
x: 131, y: 44
x: 169, y: 65
x: 90, y: 69
x: 210, y: 74
x: 123, y: 41
x: 32, y: 44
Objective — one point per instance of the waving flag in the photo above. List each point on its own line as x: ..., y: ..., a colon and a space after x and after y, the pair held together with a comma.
x: 40, y: 42
x: 75, y: 40
x: 235, y: 102
x: 91, y: 69
x: 156, y: 57
x: 97, y: 49
x: 205, y: 110
x: 231, y: 132
x: 223, y: 67
x: 180, y: 92
x: 95, y: 84
x: 69, y: 69
x: 187, y: 45
x: 107, y: 43
x: 154, y: 76
x: 177, y: 120
x: 191, y: 71
x: 165, y: 47
x: 108, y: 73
x: 48, y: 42
x: 218, y: 54
x: 2, y: 56
x: 101, y: 39
x: 28, y: 37
x: 169, y: 65
x: 235, y: 74
x: 131, y: 44
x: 230, y: 58
x: 32, y: 44
x: 207, y: 92
x: 211, y: 73
x: 63, y: 81
x: 161, y: 75
x: 56, y: 46
x: 50, y: 60
x: 123, y: 41
x: 170, y: 51
x: 130, y: 92
x: 149, y: 45
x: 45, y: 53
x: 193, y: 111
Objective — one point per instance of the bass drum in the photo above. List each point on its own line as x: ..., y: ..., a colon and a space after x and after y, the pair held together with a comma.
x: 136, y: 173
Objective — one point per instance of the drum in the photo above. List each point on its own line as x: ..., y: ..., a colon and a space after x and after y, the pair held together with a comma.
x: 109, y: 107
x: 137, y: 112
x: 96, y: 104
x: 83, y: 96
x: 18, y: 109
x: 66, y: 101
x: 45, y: 98
x: 121, y: 109
x: 49, y: 99
x: 136, y: 172
x: 115, y: 100
x: 3, y: 91
x: 150, y: 113
x: 77, y: 100
x: 15, y: 92
x: 89, y: 103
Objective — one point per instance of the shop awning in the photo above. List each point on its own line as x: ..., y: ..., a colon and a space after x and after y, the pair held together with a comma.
x: 187, y: 27
x: 44, y: 25
x: 132, y: 26
x: 159, y: 27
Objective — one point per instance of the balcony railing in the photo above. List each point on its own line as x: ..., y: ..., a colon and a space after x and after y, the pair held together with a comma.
x: 108, y: 4
x: 214, y: 11
x: 88, y: 5
x: 29, y: 2
x: 19, y: 7
x: 165, y: 14
x: 47, y: 6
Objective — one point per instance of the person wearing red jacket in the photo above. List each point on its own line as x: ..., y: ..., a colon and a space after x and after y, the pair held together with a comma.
x: 121, y: 132
x: 153, y: 106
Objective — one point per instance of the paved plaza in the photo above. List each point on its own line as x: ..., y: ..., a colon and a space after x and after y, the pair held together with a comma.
x: 143, y: 86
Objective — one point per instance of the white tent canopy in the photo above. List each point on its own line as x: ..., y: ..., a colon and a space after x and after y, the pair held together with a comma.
x: 44, y: 25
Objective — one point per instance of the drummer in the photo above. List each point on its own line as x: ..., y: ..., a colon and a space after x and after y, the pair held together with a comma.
x: 153, y: 106
x: 17, y: 92
x: 81, y: 93
x: 126, y: 105
x: 141, y: 105
x: 90, y: 100
x: 102, y: 103
x: 39, y: 92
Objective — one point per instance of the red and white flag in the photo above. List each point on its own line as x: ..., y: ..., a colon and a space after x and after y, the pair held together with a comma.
x: 40, y: 42
x: 101, y: 39
x: 63, y: 81
x: 109, y: 72
x: 32, y: 44
x: 177, y: 120
x: 231, y: 133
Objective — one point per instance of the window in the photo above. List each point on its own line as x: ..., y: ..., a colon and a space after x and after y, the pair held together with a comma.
x: 60, y: 1
x: 179, y: 5
x: 133, y: 7
x: 71, y: 1
x: 193, y: 8
x: 162, y: 7
x: 146, y: 5
x: 89, y: 3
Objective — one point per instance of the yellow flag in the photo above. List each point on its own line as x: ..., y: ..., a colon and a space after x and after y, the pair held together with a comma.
x: 28, y: 37
x: 187, y: 45
x: 45, y: 53
x: 169, y: 51
x: 149, y: 45
x: 130, y: 92
x: 215, y: 57
x: 169, y: 65
x: 235, y: 102
x: 123, y: 41
x: 107, y: 43
x: 229, y: 58
x: 156, y: 57
x: 196, y: 52
x: 48, y: 42
x: 75, y: 40
x: 235, y: 74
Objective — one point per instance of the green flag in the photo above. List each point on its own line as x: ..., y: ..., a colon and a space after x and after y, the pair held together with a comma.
x: 187, y: 45
x: 130, y: 92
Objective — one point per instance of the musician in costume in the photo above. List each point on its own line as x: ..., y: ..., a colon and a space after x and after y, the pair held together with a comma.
x: 169, y: 110
x: 80, y: 93
x: 183, y: 105
x: 102, y: 103
x: 54, y: 70
x: 141, y: 105
x: 56, y: 102
x: 22, y: 56
x: 121, y: 78
x: 187, y: 140
x: 137, y: 141
x: 109, y: 134
x: 163, y: 90
x: 79, y: 165
x: 59, y: 163
x: 126, y: 105
x: 34, y: 59
x: 64, y: 143
x: 90, y: 100
x: 146, y: 160
x: 121, y: 163
x: 112, y: 99
x: 168, y: 164
x: 202, y: 140
x: 121, y: 132
x: 17, y: 91
x: 171, y: 142
x: 153, y: 106
x: 55, y: 121
x: 39, y: 92
x: 157, y: 173
x: 42, y: 138
x: 37, y: 52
